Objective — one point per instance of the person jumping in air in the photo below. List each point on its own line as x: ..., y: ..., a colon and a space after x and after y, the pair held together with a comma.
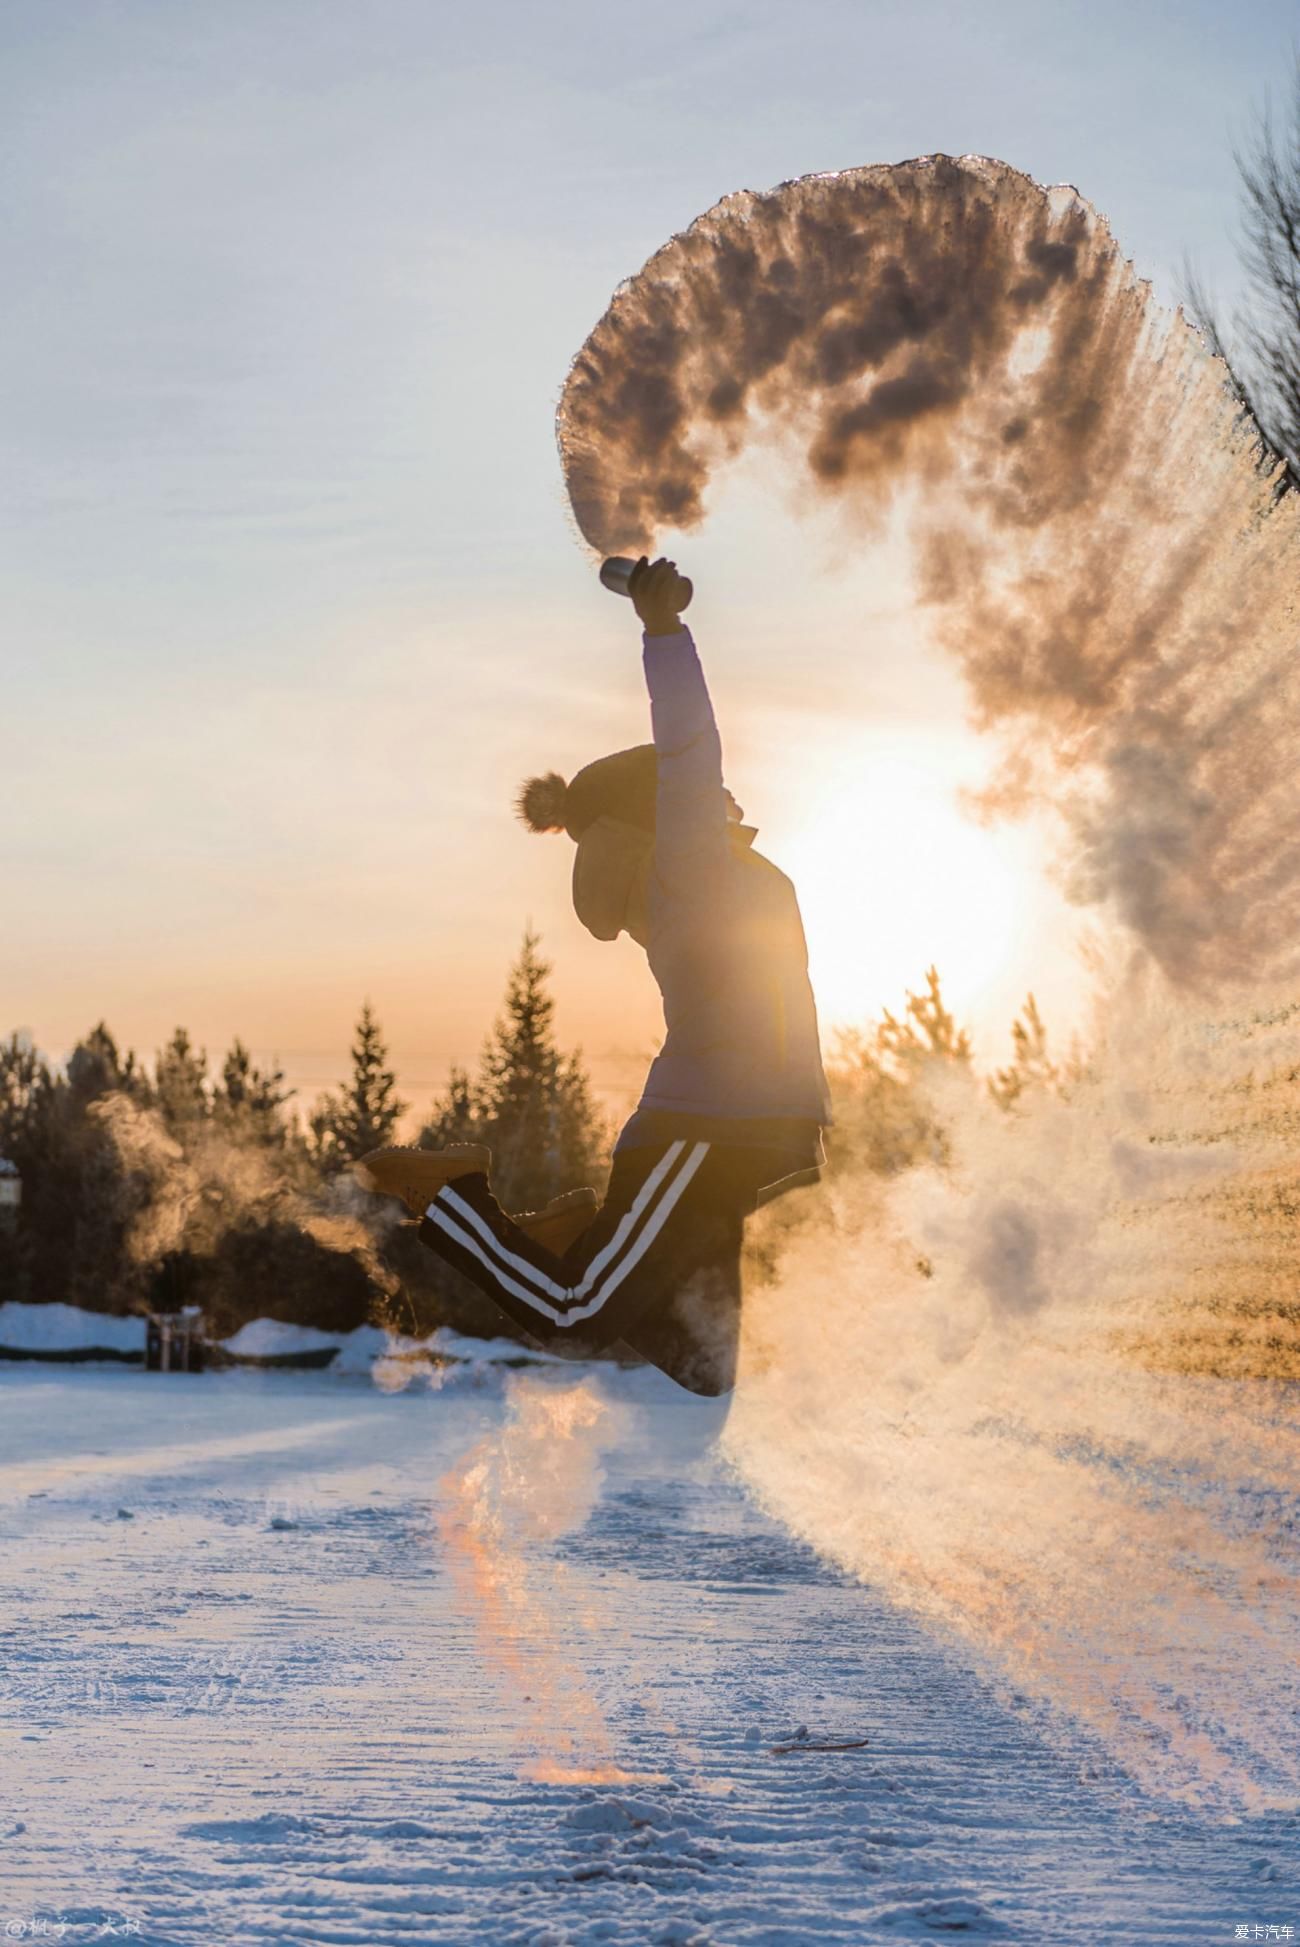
x: 735, y: 1102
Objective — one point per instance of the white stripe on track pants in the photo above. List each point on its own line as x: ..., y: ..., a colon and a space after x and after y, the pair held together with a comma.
x: 658, y: 1270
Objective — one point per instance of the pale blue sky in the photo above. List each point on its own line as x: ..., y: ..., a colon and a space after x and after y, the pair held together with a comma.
x: 287, y: 590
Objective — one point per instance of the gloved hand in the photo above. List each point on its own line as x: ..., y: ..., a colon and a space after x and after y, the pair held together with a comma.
x: 659, y: 594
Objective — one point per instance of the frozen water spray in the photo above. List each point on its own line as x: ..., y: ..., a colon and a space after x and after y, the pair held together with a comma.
x: 518, y: 1491
x: 1043, y: 1395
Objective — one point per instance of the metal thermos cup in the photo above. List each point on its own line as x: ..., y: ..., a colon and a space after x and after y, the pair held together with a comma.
x: 614, y: 575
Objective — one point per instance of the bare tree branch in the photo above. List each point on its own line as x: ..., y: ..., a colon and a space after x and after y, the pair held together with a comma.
x: 1203, y: 310
x: 1262, y: 352
x: 1270, y: 254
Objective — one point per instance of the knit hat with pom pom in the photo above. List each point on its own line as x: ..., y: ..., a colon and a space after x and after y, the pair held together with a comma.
x: 622, y: 786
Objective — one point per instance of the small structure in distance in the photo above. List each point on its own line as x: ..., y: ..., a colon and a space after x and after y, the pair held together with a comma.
x: 11, y: 1193
x: 174, y: 1341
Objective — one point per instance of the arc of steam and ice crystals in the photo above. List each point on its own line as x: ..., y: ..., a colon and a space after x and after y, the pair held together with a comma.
x: 1064, y: 1441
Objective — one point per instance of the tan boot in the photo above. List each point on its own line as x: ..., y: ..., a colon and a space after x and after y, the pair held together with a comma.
x: 417, y: 1175
x: 562, y: 1222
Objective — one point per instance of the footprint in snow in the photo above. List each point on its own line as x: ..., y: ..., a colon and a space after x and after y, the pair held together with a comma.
x: 952, y: 1913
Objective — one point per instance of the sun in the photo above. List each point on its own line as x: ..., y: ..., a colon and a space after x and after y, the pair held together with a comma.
x: 894, y: 875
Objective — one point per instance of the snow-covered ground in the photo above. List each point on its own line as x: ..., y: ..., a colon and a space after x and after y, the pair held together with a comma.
x: 61, y: 1332
x: 508, y: 1656
x: 68, y: 1328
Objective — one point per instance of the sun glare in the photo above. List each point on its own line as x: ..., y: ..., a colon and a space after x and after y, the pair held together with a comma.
x: 894, y: 877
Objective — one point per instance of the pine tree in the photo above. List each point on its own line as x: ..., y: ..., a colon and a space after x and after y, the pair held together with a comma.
x: 454, y: 1117
x: 27, y: 1092
x: 530, y: 1103
x: 365, y: 1115
x: 26, y: 1085
x: 927, y: 1031
x: 520, y: 1081
x: 884, y: 1119
x: 181, y: 1081
x: 95, y: 1067
x: 1031, y: 1066
x: 248, y: 1101
x: 77, y: 1196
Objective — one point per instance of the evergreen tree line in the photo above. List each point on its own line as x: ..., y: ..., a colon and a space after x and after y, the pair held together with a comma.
x: 159, y: 1188
x: 155, y: 1189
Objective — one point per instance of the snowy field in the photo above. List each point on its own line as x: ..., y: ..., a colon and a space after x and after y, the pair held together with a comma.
x: 301, y: 1657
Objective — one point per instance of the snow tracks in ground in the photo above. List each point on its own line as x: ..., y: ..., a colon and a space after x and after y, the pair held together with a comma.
x: 286, y: 1659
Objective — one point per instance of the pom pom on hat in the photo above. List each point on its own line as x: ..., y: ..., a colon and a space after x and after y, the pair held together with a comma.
x: 542, y: 803
x: 621, y: 786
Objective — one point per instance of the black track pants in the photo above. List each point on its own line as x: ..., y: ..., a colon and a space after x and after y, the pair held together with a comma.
x: 659, y: 1268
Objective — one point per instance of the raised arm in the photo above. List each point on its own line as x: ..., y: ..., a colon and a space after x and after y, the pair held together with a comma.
x: 691, y: 808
